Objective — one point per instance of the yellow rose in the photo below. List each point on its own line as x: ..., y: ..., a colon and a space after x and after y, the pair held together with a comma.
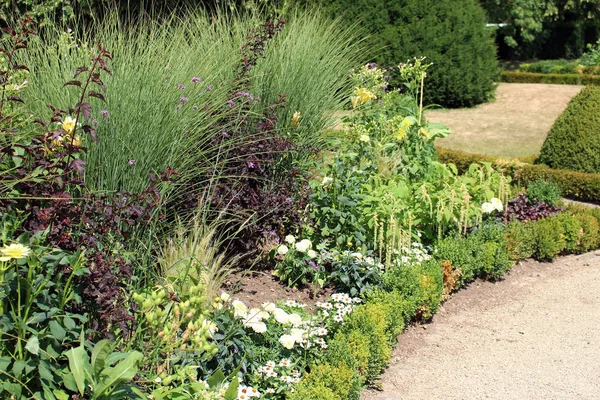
x: 68, y: 124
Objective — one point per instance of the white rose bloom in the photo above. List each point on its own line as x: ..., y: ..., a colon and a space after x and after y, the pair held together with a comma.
x: 295, y: 319
x: 257, y: 326
x: 487, y: 208
x: 303, y: 245
x: 269, y: 307
x: 287, y: 341
x: 290, y: 239
x: 212, y: 327
x: 281, y: 316
x: 239, y: 309
x: 282, y: 250
x: 297, y: 334
x: 225, y: 296
x: 312, y: 254
x: 497, y: 204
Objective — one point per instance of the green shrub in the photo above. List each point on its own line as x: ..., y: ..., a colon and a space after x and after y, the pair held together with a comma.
x: 589, y: 224
x: 544, y: 190
x: 492, y: 255
x: 573, y: 143
x: 550, y: 240
x: 338, y: 379
x: 458, y: 250
x: 573, y: 232
x: 310, y: 391
x: 371, y: 320
x: 452, y: 35
x: 520, y: 240
x: 351, y: 348
x: 397, y: 309
x: 421, y: 287
x: 561, y: 79
x: 551, y: 67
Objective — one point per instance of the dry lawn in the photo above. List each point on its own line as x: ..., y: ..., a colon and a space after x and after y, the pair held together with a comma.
x: 514, y: 125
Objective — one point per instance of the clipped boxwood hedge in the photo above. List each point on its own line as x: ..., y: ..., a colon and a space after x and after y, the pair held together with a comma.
x: 573, y: 142
x: 574, y: 185
x: 563, y: 79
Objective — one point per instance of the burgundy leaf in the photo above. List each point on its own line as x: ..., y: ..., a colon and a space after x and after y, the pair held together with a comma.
x: 86, y: 109
x: 80, y: 70
x: 91, y: 131
x: 78, y: 165
x: 21, y: 67
x: 73, y: 82
x: 97, y: 95
x: 14, y: 98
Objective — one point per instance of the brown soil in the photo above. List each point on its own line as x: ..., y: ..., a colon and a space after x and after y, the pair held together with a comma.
x: 514, y: 125
x: 533, y: 335
x: 255, y: 288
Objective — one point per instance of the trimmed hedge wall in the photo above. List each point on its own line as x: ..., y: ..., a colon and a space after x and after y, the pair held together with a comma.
x: 563, y: 79
x: 574, y: 185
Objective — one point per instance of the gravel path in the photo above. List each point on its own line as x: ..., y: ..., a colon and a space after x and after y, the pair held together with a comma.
x: 534, y: 335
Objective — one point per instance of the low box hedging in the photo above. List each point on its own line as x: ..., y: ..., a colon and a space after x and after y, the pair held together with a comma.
x: 575, y: 185
x: 362, y: 348
x: 562, y: 79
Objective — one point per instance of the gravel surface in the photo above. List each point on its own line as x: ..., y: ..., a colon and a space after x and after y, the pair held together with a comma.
x: 534, y: 335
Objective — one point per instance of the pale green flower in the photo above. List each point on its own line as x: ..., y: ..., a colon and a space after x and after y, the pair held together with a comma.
x: 14, y: 251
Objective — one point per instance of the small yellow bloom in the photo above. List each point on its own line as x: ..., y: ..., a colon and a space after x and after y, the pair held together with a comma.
x: 401, y: 134
x: 354, y: 100
x: 68, y: 125
x: 364, y: 95
x: 296, y: 119
x: 406, y: 123
x: 14, y: 251
x: 424, y: 132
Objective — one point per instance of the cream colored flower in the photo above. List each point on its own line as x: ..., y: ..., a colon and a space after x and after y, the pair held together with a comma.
x: 297, y: 334
x: 287, y: 341
x: 225, y: 296
x: 326, y: 181
x: 487, y: 208
x: 303, y: 246
x: 239, y: 309
x: 282, y: 250
x: 290, y: 239
x: 257, y: 326
x: 497, y: 204
x: 14, y: 251
x: 269, y: 307
x: 312, y: 254
x: 364, y: 138
x: 210, y: 326
x: 281, y: 316
x: 295, y: 320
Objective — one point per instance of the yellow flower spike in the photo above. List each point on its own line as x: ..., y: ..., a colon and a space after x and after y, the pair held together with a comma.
x: 15, y: 251
x: 354, y: 100
x: 68, y: 125
x: 296, y: 119
x: 364, y: 95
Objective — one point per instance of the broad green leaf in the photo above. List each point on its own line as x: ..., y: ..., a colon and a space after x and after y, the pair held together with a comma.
x: 77, y: 364
x: 232, y: 390
x: 122, y: 372
x: 4, y: 363
x: 33, y: 345
x: 101, y: 350
x: 57, y: 331
x: 60, y: 395
x: 44, y: 371
x: 216, y: 379
x: 18, y: 367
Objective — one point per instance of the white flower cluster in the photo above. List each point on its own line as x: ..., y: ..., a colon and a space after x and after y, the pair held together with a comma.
x: 279, y: 374
x: 494, y: 204
x: 247, y: 392
x: 303, y: 246
x: 411, y: 256
x: 342, y: 303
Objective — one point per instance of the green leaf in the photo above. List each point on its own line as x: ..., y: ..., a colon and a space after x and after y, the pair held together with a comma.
x: 216, y: 379
x: 33, y: 345
x: 122, y: 372
x: 4, y: 363
x: 77, y: 364
x: 60, y: 395
x: 18, y: 368
x: 232, y: 390
x: 44, y: 371
x: 101, y: 350
x: 57, y: 331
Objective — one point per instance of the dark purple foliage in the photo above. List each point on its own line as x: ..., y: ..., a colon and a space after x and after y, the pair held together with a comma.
x: 522, y: 209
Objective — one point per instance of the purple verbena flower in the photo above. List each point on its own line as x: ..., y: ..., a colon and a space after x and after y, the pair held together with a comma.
x: 289, y: 199
x: 180, y: 86
x: 195, y: 79
x: 131, y: 162
x: 195, y: 108
x: 104, y: 113
x: 94, y: 121
x: 230, y: 103
x: 184, y: 99
x: 209, y: 88
x: 225, y: 134
x: 251, y: 164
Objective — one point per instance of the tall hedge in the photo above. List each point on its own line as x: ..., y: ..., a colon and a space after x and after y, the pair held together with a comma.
x: 573, y: 142
x: 450, y: 33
